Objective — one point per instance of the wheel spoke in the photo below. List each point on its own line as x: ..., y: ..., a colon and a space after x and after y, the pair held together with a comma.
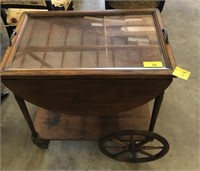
x: 152, y: 147
x: 134, y: 146
x: 119, y: 142
x: 145, y: 153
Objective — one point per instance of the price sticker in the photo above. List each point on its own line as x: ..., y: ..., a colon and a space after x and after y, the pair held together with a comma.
x: 181, y: 73
x: 153, y: 64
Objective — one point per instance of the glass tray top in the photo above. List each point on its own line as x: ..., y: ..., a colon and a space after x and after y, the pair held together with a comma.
x: 88, y: 42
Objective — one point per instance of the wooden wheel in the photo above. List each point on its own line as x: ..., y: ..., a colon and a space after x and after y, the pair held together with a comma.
x: 134, y: 146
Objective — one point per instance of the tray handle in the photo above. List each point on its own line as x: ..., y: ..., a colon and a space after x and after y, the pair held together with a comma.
x: 165, y: 33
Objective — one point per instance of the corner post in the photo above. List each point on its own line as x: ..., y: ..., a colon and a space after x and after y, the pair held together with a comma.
x: 42, y: 143
x: 156, y: 109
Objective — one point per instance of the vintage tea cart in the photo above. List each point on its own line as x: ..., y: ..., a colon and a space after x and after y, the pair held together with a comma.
x: 85, y: 72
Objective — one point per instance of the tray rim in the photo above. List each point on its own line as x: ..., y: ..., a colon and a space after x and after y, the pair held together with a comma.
x: 89, y: 72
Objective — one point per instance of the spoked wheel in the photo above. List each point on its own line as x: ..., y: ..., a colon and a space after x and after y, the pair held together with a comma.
x: 134, y: 146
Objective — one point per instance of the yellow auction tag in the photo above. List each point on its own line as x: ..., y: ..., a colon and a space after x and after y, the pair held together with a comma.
x: 181, y: 73
x: 153, y: 64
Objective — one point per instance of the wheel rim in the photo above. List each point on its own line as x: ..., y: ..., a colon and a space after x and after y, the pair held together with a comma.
x: 134, y: 146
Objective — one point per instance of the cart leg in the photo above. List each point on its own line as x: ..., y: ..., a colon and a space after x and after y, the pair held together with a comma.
x: 42, y: 143
x: 156, y: 109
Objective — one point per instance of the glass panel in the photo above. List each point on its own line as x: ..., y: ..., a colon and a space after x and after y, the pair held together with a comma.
x: 88, y: 42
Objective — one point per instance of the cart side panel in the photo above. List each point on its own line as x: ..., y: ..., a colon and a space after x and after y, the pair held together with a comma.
x: 96, y: 96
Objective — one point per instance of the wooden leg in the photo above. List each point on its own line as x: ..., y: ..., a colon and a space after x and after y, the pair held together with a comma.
x: 42, y: 143
x: 156, y: 109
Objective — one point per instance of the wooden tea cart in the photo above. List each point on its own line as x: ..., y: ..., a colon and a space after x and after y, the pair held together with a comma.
x: 85, y: 72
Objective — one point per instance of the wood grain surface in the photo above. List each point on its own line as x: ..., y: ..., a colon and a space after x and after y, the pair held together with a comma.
x: 57, y: 126
x: 88, y: 96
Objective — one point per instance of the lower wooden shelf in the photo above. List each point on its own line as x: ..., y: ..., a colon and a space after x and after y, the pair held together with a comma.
x: 57, y: 126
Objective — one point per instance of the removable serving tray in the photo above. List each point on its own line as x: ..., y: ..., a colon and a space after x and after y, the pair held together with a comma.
x: 94, y: 41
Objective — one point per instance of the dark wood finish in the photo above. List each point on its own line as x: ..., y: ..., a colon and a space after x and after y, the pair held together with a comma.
x: 57, y: 126
x: 169, y: 59
x: 155, y: 112
x: 90, y: 91
x: 149, y: 50
x: 134, y: 146
x: 26, y: 115
x: 88, y: 96
x: 40, y: 142
x: 91, y: 98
